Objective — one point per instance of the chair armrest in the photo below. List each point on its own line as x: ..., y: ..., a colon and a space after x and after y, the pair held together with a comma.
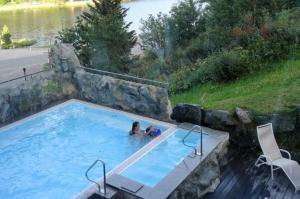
x: 286, y: 152
x: 268, y: 159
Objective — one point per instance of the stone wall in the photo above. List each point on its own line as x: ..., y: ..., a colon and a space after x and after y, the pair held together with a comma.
x: 138, y: 98
x: 66, y: 80
x: 205, y: 178
x: 22, y: 97
x: 241, y: 125
x: 129, y: 96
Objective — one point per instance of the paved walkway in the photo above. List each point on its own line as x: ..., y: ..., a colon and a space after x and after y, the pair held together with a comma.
x: 13, y: 61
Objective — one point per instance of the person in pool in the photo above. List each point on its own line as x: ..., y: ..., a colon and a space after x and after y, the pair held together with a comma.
x: 135, y: 130
x: 151, y: 131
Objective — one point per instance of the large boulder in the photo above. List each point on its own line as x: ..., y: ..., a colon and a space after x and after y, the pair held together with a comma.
x: 187, y: 113
x: 219, y: 118
x: 63, y: 59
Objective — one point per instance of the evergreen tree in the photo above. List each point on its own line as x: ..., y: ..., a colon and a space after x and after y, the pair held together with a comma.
x: 5, y: 38
x: 101, y: 37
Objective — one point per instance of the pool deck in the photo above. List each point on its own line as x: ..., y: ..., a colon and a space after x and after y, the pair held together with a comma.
x: 240, y: 179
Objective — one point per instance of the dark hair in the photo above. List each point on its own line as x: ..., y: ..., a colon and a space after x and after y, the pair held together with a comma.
x: 148, y: 129
x: 134, y: 125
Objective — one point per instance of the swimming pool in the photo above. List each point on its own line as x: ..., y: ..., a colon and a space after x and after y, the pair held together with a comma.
x: 47, y: 155
x: 161, y: 160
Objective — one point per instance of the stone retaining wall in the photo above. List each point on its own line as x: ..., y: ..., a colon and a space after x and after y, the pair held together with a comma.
x: 241, y: 125
x: 138, y: 98
x: 124, y: 95
x: 205, y: 178
x: 66, y: 80
x: 23, y: 97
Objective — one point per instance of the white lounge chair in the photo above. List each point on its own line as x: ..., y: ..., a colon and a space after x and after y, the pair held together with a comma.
x: 272, y: 156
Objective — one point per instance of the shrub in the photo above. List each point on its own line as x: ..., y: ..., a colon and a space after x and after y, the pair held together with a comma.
x: 199, y: 48
x: 227, y: 65
x: 149, y: 67
x: 23, y: 43
x: 5, y: 38
x: 185, y: 78
x: 220, y: 67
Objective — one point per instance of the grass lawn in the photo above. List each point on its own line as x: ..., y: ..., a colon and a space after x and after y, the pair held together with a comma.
x: 275, y: 89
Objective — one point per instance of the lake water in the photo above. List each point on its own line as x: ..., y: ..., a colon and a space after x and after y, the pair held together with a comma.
x: 44, y: 23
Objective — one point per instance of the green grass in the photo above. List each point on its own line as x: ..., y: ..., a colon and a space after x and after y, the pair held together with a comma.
x: 272, y: 90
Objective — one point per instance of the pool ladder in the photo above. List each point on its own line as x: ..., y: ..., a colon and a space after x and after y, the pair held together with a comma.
x: 201, y: 140
x: 104, y: 177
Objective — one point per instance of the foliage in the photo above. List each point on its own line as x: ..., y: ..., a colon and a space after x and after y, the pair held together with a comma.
x: 14, y: 2
x: 186, y: 21
x: 3, y: 2
x: 183, y: 79
x: 226, y: 66
x: 223, y: 40
x: 5, y: 38
x: 275, y: 88
x: 23, y: 43
x: 163, y: 34
x: 153, y: 34
x: 220, y: 67
x: 51, y: 87
x: 101, y: 37
x: 46, y: 66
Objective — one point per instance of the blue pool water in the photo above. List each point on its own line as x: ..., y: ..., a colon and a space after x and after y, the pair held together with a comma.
x: 47, y: 156
x: 161, y: 160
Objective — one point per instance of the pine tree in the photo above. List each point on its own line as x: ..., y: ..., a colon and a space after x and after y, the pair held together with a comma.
x: 101, y: 37
x: 5, y: 38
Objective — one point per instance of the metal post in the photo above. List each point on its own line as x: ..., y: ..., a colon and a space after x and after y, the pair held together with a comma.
x: 24, y: 71
x: 201, y: 140
x: 104, y: 179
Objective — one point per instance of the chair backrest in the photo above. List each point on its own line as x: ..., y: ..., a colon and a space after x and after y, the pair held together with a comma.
x: 267, y: 141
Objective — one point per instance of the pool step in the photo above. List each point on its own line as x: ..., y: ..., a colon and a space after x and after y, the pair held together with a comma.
x: 112, y: 193
x: 132, y: 189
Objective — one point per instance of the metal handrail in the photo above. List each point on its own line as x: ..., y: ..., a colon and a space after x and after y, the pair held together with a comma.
x: 201, y: 140
x: 24, y: 76
x: 104, y: 176
x: 149, y: 81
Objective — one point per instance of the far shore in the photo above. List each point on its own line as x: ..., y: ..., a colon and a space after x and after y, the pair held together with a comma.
x: 45, y: 5
x: 42, y: 5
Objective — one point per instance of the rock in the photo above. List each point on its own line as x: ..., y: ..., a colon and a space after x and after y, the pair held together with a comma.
x: 63, y: 58
x: 129, y: 96
x: 282, y: 123
x: 187, y: 113
x: 243, y: 116
x: 219, y: 118
x: 33, y: 95
x: 297, y: 119
x: 4, y: 111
